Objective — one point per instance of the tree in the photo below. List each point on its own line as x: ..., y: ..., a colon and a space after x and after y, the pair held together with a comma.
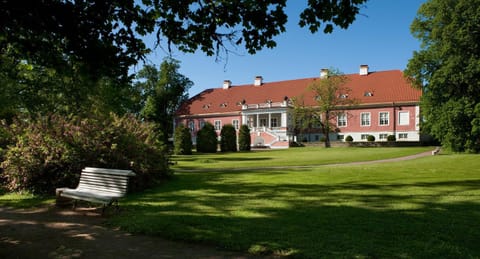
x: 332, y: 97
x: 244, y: 138
x: 447, y: 69
x: 207, y: 139
x: 164, y: 91
x: 303, y: 117
x: 182, y: 141
x: 228, y: 138
x: 104, y: 38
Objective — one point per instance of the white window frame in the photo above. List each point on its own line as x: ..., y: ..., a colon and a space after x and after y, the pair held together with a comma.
x: 219, y: 126
x: 202, y: 124
x: 274, y: 122
x: 383, y: 136
x: 400, y: 121
x: 364, y: 136
x: 387, y: 119
x: 402, y: 136
x: 263, y: 122
x: 342, y: 117
x: 236, y: 124
x: 369, y: 119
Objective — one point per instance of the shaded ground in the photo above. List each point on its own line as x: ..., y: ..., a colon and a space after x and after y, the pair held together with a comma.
x: 51, y: 232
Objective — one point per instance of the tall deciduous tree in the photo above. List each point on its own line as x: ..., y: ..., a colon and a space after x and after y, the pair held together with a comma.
x: 164, y: 91
x: 447, y: 68
x: 332, y: 97
x: 104, y: 38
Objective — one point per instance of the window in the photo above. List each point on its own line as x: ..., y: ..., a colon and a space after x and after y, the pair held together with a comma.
x: 403, y: 136
x: 202, y: 123
x: 365, y: 119
x: 340, y: 137
x: 191, y: 126
x: 235, y: 124
x: 384, y: 118
x: 273, y: 122
x: 342, y: 120
x: 403, y: 118
x: 263, y: 122
x: 364, y: 136
x: 218, y: 125
x: 383, y: 136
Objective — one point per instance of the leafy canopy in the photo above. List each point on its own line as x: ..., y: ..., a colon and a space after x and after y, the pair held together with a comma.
x: 447, y: 68
x: 105, y: 37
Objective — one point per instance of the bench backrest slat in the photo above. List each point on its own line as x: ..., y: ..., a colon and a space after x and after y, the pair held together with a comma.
x: 108, y: 181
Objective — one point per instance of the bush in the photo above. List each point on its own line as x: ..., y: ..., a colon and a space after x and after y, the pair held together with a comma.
x: 371, y: 138
x: 228, y: 138
x: 50, y: 151
x: 349, y: 138
x: 391, y: 138
x: 182, y: 141
x: 207, y: 139
x: 244, y: 138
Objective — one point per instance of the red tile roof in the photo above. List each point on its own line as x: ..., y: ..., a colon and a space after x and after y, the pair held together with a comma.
x: 385, y: 86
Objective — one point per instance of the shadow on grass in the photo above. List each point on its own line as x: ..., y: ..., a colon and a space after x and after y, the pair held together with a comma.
x: 312, y: 220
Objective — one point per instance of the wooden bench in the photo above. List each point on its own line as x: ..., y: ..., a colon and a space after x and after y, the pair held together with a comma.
x: 99, y: 185
x: 436, y: 151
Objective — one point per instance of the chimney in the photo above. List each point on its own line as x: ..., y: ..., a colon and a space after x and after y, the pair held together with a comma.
x: 323, y: 73
x: 364, y: 70
x: 258, y: 81
x: 227, y: 84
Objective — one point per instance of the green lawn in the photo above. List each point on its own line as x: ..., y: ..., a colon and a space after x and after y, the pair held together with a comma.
x: 423, y: 208
x: 291, y: 157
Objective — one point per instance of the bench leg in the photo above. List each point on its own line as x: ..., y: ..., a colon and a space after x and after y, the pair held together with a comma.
x: 74, y: 204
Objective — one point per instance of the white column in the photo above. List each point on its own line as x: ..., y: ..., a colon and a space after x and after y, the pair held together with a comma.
x: 283, y: 120
x: 269, y: 123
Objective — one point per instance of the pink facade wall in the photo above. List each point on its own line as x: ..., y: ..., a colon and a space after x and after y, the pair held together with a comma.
x: 197, y: 122
x: 354, y: 120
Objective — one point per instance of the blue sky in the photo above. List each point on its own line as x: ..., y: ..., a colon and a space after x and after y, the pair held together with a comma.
x: 380, y: 37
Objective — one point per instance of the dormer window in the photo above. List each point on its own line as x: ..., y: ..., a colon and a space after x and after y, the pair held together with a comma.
x: 343, y: 96
x: 223, y: 105
x: 368, y: 94
x: 206, y: 106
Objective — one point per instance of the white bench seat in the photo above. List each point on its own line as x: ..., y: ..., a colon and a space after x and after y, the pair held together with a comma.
x: 99, y: 185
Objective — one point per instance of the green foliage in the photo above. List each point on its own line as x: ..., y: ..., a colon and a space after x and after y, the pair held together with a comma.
x: 207, y: 139
x: 391, y: 138
x: 34, y: 89
x: 349, y: 138
x: 106, y: 38
x: 447, y: 69
x: 228, y: 138
x: 332, y: 97
x: 164, y: 91
x: 371, y: 138
x: 182, y: 141
x: 50, y: 151
x: 244, y: 138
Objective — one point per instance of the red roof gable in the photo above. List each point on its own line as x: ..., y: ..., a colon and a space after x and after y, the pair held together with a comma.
x: 385, y: 87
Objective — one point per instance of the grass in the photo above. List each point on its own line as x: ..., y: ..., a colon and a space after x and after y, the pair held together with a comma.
x: 423, y: 208
x: 291, y: 157
x: 23, y: 200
